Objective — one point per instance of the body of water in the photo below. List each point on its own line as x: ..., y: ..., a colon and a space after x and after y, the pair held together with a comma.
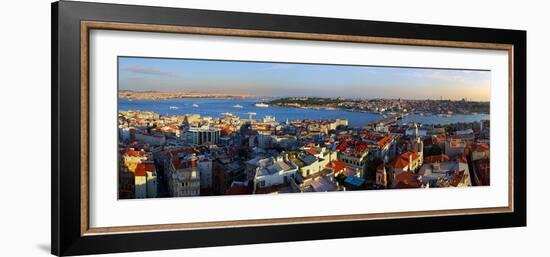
x: 214, y: 107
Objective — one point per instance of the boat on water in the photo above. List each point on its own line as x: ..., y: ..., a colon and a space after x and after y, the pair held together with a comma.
x: 227, y: 114
x: 174, y: 107
x: 238, y: 106
x: 262, y: 105
x: 195, y: 105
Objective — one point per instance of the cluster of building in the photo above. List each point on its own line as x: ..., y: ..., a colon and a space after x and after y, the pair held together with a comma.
x: 400, y: 106
x: 192, y: 155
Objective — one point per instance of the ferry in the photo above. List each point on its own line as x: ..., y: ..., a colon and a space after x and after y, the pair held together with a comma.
x: 174, y: 107
x: 263, y: 105
x: 237, y: 106
x: 228, y: 114
x: 195, y: 105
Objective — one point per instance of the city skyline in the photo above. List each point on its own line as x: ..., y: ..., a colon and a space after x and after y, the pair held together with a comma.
x: 211, y: 128
x: 292, y: 79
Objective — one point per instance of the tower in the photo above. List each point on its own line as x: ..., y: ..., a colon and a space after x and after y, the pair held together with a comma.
x: 416, y: 143
x: 415, y: 131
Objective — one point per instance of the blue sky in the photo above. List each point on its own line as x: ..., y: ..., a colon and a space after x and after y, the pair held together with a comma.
x: 290, y: 79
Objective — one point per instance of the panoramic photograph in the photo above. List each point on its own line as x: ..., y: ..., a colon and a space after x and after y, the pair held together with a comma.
x: 192, y: 127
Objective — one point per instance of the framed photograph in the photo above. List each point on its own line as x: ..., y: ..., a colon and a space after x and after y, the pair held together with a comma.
x: 178, y: 128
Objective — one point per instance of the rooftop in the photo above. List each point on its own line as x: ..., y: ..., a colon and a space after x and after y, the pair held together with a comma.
x: 336, y: 166
x: 143, y: 168
x: 354, y: 181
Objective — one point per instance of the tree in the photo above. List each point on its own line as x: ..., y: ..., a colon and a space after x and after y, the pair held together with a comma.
x: 340, y: 178
x: 434, y: 150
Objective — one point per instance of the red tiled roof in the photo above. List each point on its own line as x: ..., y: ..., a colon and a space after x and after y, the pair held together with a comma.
x: 373, y: 137
x: 436, y: 158
x: 135, y: 153
x: 312, y: 151
x: 355, y: 147
x: 143, y: 168
x: 336, y: 166
x: 402, y: 161
x: 407, y: 180
x: 399, y: 163
x: 384, y: 141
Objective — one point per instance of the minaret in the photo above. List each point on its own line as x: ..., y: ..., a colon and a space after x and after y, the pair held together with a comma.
x: 415, y: 133
x: 418, y: 144
x: 420, y: 150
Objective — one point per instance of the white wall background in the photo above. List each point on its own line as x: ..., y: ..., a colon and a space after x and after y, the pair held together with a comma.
x: 25, y: 127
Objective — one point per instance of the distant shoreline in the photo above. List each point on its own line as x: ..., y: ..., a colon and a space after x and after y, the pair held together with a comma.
x: 154, y: 95
x: 386, y: 106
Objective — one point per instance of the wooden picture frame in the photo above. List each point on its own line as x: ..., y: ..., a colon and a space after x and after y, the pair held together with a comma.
x: 71, y: 25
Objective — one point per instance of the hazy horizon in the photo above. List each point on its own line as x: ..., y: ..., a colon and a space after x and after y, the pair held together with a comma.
x: 301, y: 80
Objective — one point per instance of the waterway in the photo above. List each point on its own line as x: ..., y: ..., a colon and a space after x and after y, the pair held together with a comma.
x: 214, y: 107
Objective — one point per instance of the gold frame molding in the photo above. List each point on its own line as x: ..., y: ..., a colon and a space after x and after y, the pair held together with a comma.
x: 86, y: 26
